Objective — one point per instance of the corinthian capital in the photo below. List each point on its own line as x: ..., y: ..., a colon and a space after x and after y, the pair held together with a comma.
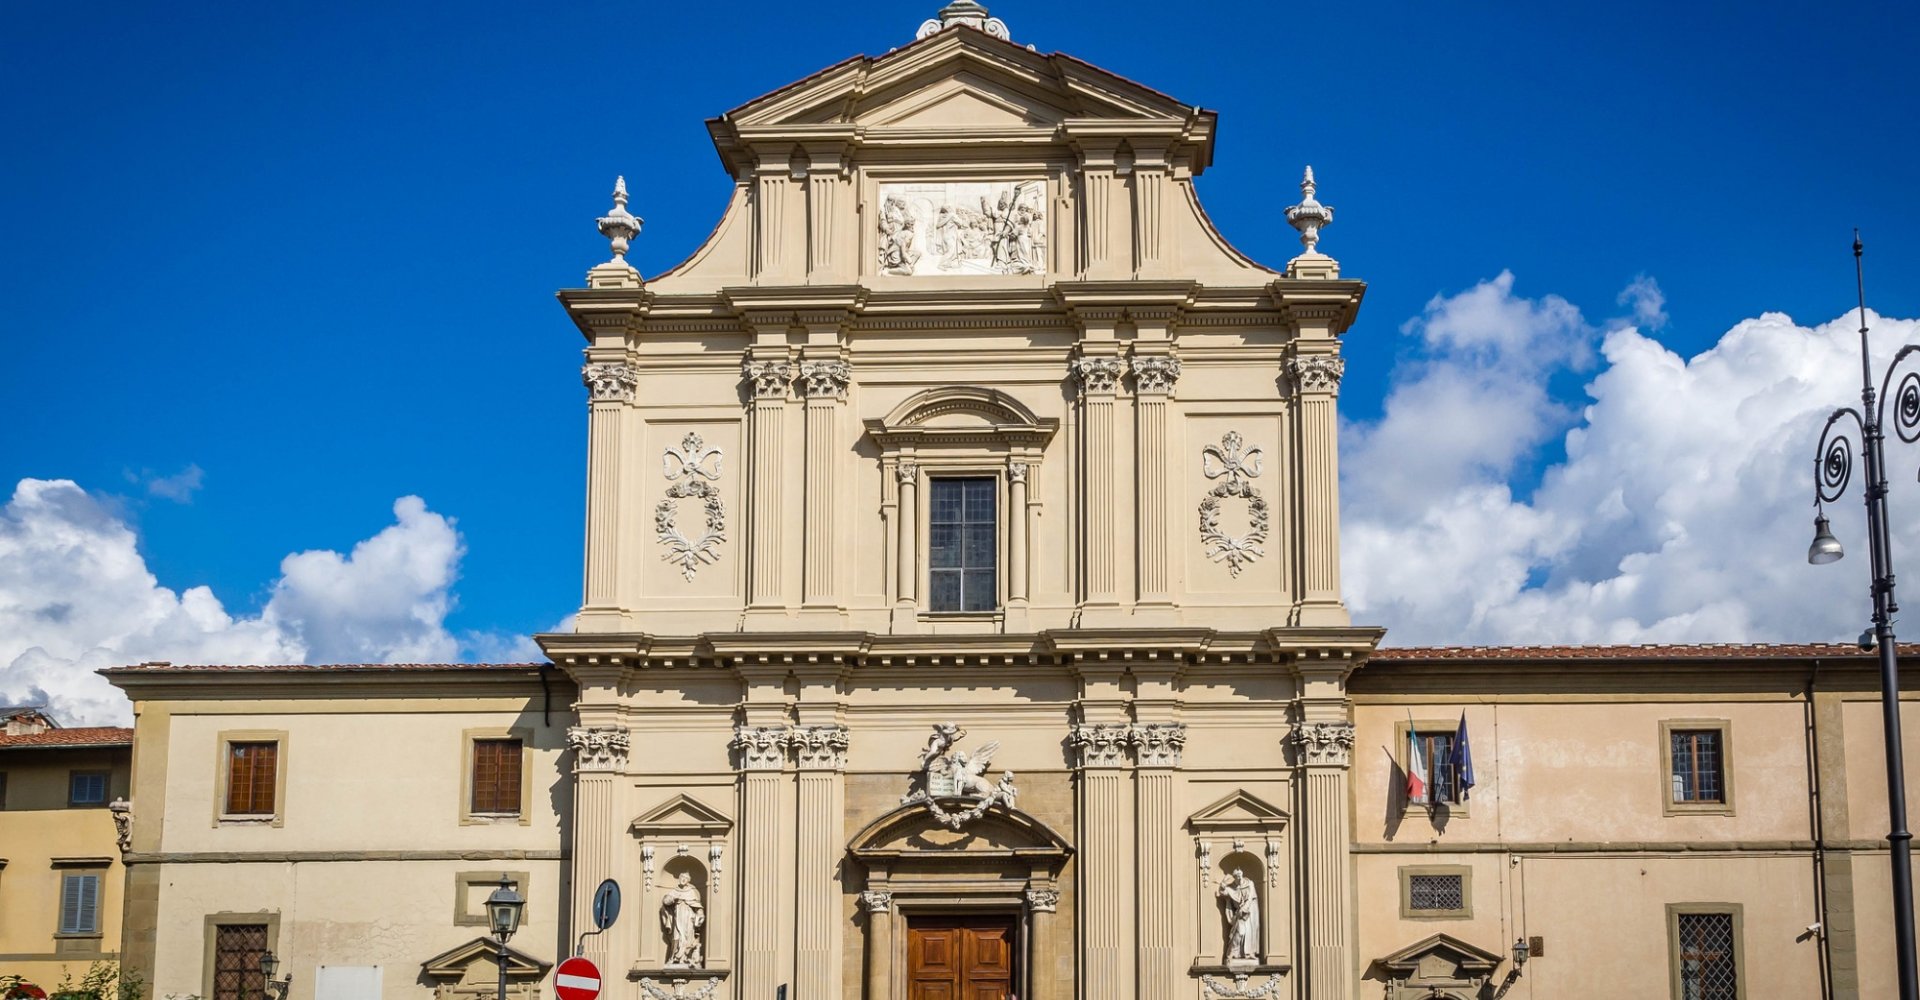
x: 1327, y: 744
x: 818, y: 747
x: 825, y: 378
x: 599, y: 748
x: 1317, y: 372
x: 761, y: 748
x: 769, y: 378
x: 1159, y: 744
x: 1155, y: 375
x: 610, y: 382
x: 1101, y: 744
x: 1097, y: 375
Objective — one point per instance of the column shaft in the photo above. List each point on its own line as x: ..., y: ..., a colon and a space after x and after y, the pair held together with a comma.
x: 760, y: 899
x: 1017, y: 589
x: 879, y: 953
x: 1320, y: 512
x: 1159, y: 963
x: 767, y: 430
x: 1106, y: 886
x: 821, y: 502
x: 1150, y: 415
x: 818, y: 955
x: 1098, y: 500
x: 1328, y: 884
x: 595, y: 832
x: 908, y: 555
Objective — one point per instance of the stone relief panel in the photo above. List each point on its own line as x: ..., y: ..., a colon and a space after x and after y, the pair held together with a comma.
x: 1237, y: 532
x: 1234, y: 466
x: 963, y: 227
x: 691, y: 469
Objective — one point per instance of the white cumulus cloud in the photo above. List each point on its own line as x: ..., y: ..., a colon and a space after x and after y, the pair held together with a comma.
x: 76, y: 596
x: 1681, y: 510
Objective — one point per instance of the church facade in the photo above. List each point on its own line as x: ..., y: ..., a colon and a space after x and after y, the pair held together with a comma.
x: 962, y: 618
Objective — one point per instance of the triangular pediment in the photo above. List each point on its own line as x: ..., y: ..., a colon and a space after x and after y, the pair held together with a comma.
x: 957, y: 78
x: 454, y: 963
x: 1440, y: 957
x: 682, y: 816
x: 1240, y: 812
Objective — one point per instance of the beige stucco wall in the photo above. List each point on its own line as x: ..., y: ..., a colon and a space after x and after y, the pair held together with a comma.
x: 38, y: 832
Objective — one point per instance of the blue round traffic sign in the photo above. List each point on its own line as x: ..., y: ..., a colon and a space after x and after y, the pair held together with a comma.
x: 606, y: 904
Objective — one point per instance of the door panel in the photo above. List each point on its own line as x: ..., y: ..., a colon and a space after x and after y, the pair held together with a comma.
x: 960, y: 958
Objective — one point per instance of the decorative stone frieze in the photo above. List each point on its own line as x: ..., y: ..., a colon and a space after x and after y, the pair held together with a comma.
x: 1158, y: 744
x: 687, y: 468
x: 769, y: 379
x: 876, y: 901
x: 1324, y: 743
x: 1236, y: 468
x: 1042, y: 900
x: 1240, y: 990
x: 1097, y: 375
x: 1101, y: 744
x: 1155, y: 375
x: 610, y: 383
x: 599, y: 748
x: 681, y: 988
x: 1317, y: 372
x: 818, y: 747
x: 825, y: 379
x: 760, y: 748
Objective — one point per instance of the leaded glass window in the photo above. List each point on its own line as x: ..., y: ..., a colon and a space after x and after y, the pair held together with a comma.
x: 962, y: 545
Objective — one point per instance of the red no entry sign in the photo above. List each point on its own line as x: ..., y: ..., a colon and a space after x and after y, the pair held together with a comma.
x: 576, y: 979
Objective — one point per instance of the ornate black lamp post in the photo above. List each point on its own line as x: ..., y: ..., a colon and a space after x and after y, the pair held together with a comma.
x: 503, y: 912
x: 1833, y: 469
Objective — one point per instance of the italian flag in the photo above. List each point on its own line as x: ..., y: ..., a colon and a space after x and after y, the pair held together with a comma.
x: 1416, y: 789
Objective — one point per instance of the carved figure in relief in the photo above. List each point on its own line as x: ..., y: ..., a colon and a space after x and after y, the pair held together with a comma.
x: 968, y: 772
x: 682, y: 916
x: 1241, y: 899
x: 946, y: 773
x: 898, y: 238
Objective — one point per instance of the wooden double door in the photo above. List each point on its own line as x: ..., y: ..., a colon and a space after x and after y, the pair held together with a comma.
x: 961, y: 958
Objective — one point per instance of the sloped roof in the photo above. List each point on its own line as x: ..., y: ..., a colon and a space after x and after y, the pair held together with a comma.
x: 85, y: 736
x: 1658, y: 651
x: 161, y: 665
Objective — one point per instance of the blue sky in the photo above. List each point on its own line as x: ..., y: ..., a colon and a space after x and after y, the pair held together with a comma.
x: 310, y: 250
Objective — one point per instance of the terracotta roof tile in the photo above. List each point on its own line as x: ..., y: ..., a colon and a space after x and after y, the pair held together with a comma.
x: 1699, y: 651
x: 84, y: 736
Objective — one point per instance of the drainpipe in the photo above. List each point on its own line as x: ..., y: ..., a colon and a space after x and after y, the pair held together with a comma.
x: 1819, y: 835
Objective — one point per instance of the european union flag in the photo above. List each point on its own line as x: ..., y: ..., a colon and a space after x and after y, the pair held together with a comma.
x: 1462, y: 759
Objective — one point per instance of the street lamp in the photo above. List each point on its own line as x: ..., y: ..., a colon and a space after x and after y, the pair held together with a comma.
x: 503, y: 912
x: 1519, y: 953
x: 1833, y: 469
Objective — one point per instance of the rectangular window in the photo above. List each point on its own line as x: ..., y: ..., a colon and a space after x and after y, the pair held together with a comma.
x: 236, y: 961
x: 1436, y: 765
x: 1427, y: 893
x: 962, y: 545
x: 251, y: 772
x: 79, y: 904
x: 1708, y: 966
x: 496, y: 777
x: 1697, y: 774
x: 87, y: 788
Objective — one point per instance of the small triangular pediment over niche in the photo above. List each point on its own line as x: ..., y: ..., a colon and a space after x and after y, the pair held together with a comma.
x: 1241, y: 812
x: 682, y: 816
x: 1441, y: 958
x: 482, y: 954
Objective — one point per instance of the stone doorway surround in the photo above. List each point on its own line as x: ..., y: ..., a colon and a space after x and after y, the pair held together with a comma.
x: 1003, y: 863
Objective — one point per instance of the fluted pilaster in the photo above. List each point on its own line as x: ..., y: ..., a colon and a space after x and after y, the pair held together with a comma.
x: 611, y: 388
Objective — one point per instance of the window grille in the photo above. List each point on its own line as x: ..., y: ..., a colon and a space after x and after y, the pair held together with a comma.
x: 1697, y: 766
x: 1707, y: 969
x: 496, y: 777
x: 236, y: 961
x: 79, y: 904
x: 1436, y: 766
x: 87, y: 788
x: 962, y: 545
x: 251, y: 769
x: 1436, y: 892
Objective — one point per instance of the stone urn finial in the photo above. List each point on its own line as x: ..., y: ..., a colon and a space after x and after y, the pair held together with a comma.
x: 968, y: 12
x: 619, y: 225
x: 1309, y: 215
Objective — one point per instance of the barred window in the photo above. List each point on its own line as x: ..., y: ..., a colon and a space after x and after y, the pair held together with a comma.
x: 1435, y: 892
x: 496, y: 777
x: 236, y: 961
x: 1707, y: 962
x: 962, y: 545
x: 251, y: 771
x: 1697, y: 775
x: 80, y: 904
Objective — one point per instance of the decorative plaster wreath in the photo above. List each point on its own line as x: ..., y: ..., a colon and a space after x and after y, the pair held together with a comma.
x: 687, y: 465
x: 1227, y: 460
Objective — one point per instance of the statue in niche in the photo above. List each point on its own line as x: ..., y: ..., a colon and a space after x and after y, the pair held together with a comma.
x: 682, y: 915
x: 1241, y: 899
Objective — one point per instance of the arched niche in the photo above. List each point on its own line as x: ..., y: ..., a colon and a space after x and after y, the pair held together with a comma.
x: 1245, y: 832
x: 1004, y: 863
x: 682, y: 836
x: 960, y: 430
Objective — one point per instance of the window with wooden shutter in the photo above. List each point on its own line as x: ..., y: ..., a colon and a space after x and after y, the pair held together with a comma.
x: 79, y: 904
x: 236, y: 961
x: 496, y: 777
x: 251, y: 772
